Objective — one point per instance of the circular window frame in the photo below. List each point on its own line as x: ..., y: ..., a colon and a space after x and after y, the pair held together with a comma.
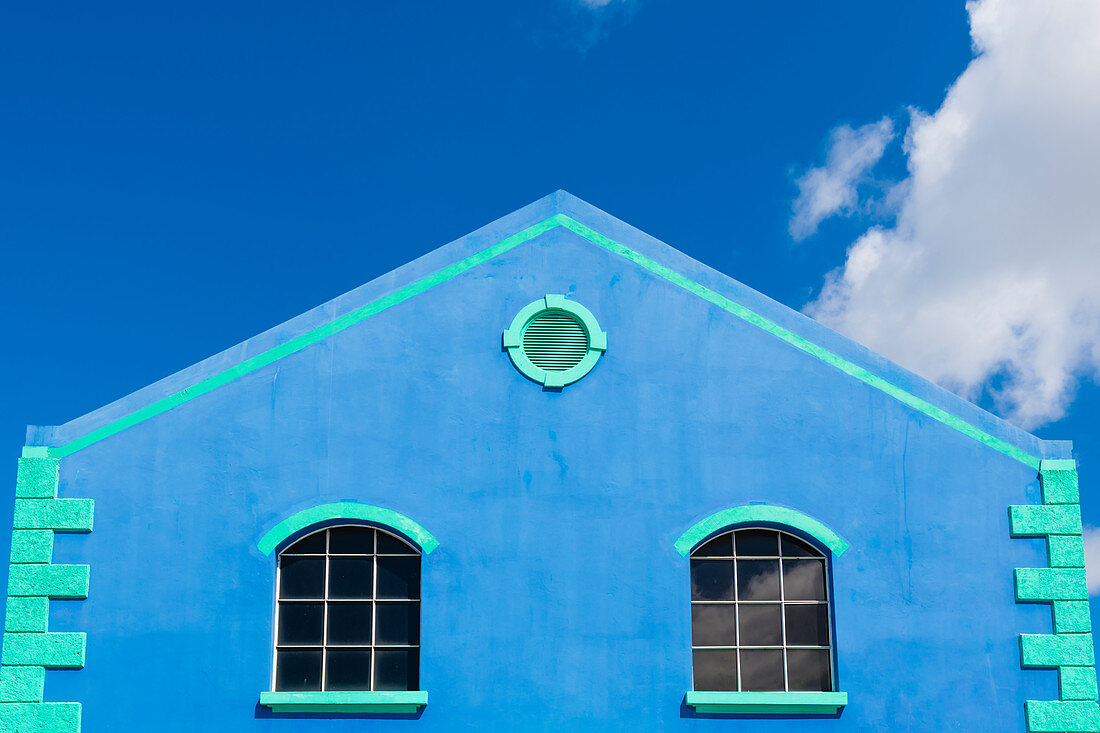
x: 513, y: 341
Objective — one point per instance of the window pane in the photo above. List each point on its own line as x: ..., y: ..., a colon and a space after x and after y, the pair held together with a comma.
x: 804, y: 580
x: 714, y: 669
x: 807, y: 625
x: 793, y: 547
x: 712, y: 580
x: 301, y: 577
x: 399, y: 577
x: 757, y: 542
x: 721, y: 546
x: 390, y: 545
x: 300, y: 624
x: 396, y: 669
x: 758, y: 580
x: 351, y: 541
x: 713, y: 625
x: 760, y: 625
x: 349, y: 623
x: 398, y: 623
x: 347, y: 670
x: 761, y: 669
x: 350, y: 577
x: 313, y: 544
x: 298, y: 671
x: 808, y: 669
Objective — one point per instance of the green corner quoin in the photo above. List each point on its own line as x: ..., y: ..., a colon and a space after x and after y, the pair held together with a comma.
x: 29, y: 648
x: 345, y: 702
x: 1061, y: 584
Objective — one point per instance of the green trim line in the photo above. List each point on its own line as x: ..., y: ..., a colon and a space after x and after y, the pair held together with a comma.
x: 790, y: 703
x: 1062, y: 584
x: 345, y: 702
x: 513, y: 341
x: 757, y: 514
x: 29, y: 647
x: 558, y: 220
x: 346, y: 510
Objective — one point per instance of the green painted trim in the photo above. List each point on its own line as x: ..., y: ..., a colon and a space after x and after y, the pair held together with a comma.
x: 31, y: 545
x: 345, y: 702
x: 1062, y: 717
x: 1051, y: 584
x: 1059, y: 486
x: 346, y: 510
x: 36, y: 451
x: 760, y: 513
x: 1071, y: 617
x: 22, y: 684
x: 27, y: 613
x: 790, y: 703
x: 1077, y: 683
x: 36, y: 478
x: 1066, y: 551
x: 426, y: 283
x: 37, y: 717
x: 1058, y: 464
x: 1034, y: 520
x: 44, y: 650
x: 53, y: 581
x: 512, y: 339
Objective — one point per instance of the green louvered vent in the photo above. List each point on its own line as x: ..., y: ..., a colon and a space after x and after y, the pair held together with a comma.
x: 555, y: 341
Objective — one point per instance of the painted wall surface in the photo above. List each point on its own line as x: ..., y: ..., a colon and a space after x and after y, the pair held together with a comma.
x: 555, y: 599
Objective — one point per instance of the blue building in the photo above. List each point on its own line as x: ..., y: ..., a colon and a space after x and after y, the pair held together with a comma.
x: 555, y: 475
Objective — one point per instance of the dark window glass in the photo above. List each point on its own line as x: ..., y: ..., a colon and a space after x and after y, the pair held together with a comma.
x: 298, y: 671
x: 714, y: 669
x: 758, y: 580
x: 398, y: 577
x: 313, y: 544
x: 397, y: 623
x: 396, y: 669
x: 713, y: 625
x: 807, y: 624
x: 347, y: 669
x: 761, y: 669
x: 712, y: 580
x: 720, y: 546
x: 352, y: 608
x: 760, y: 624
x: 302, y: 577
x: 349, y: 623
x: 794, y: 547
x: 757, y: 542
x: 351, y: 541
x: 350, y: 577
x: 804, y: 580
x: 301, y: 624
x: 761, y: 621
x: 390, y: 545
x: 809, y: 669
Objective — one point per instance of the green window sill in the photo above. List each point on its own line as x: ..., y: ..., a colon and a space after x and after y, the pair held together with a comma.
x: 344, y: 702
x: 812, y: 703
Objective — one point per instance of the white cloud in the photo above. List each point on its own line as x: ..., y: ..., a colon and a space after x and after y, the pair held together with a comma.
x: 1092, y: 559
x: 832, y: 188
x: 991, y: 276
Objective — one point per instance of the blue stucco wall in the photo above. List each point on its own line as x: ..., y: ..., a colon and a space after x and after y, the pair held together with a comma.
x: 555, y: 599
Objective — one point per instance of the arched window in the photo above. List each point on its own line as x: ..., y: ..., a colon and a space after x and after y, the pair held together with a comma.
x: 760, y: 613
x: 348, y: 612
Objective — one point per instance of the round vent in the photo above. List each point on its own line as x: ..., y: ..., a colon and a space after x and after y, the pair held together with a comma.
x: 555, y: 341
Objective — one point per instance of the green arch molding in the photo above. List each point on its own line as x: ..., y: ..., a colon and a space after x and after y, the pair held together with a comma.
x: 513, y: 341
x: 346, y: 510
x: 760, y: 513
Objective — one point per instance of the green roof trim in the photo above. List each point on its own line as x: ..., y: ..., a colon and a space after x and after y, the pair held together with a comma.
x: 760, y: 514
x: 467, y: 263
x: 346, y: 510
x: 784, y: 703
x: 345, y: 702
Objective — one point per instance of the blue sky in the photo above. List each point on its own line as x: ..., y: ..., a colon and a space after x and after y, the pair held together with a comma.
x: 176, y: 180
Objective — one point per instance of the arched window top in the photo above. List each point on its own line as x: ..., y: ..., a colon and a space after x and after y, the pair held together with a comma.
x: 761, y: 515
x: 346, y: 511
